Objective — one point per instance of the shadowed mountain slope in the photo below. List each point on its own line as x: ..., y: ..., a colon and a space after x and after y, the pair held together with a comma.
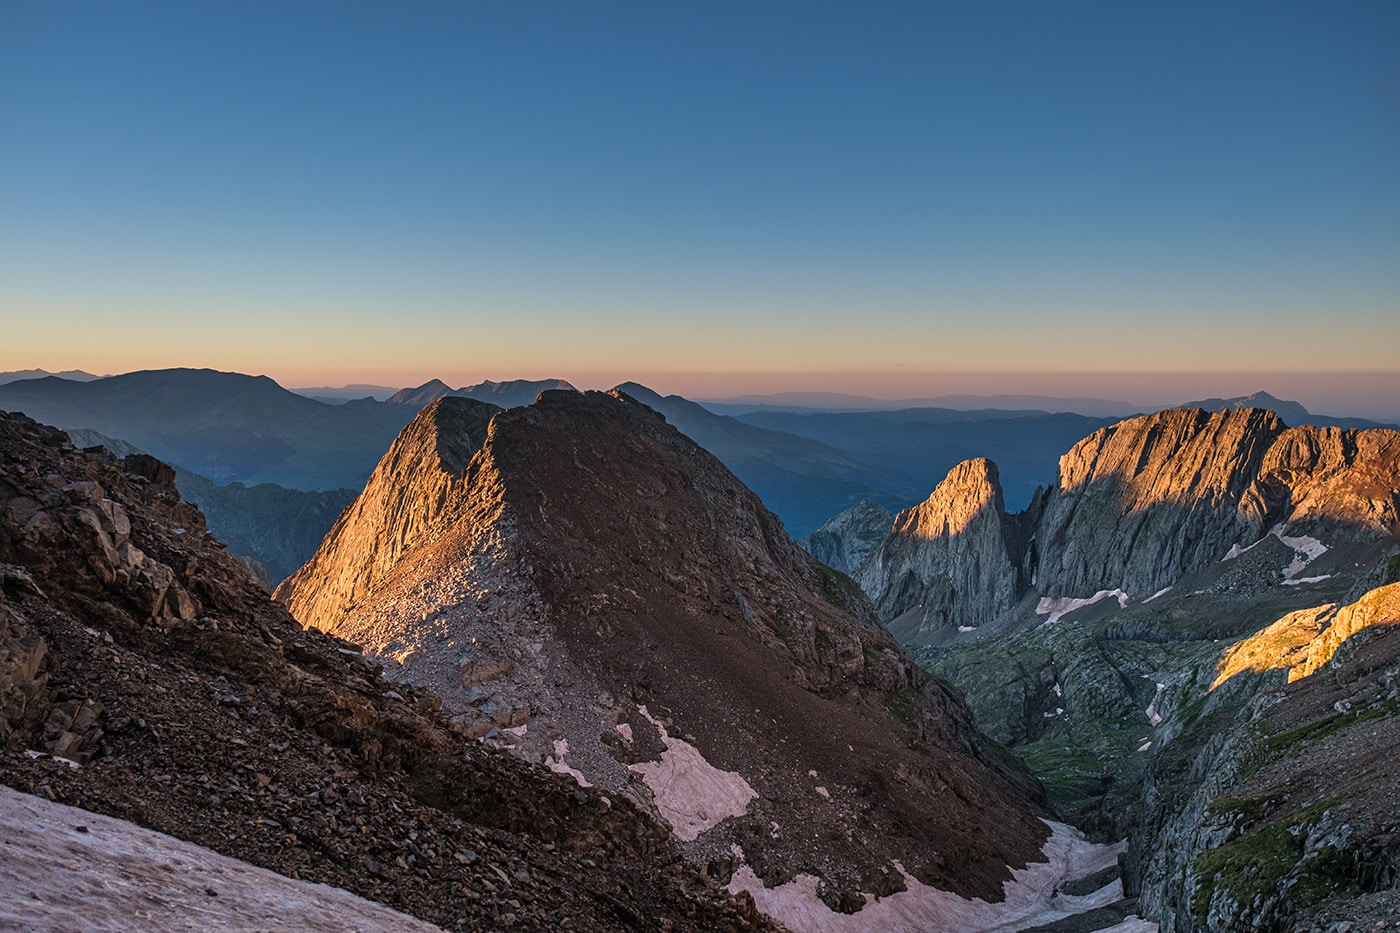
x: 596, y: 591
x: 132, y: 645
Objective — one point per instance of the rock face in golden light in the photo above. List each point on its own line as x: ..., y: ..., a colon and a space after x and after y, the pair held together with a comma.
x: 948, y: 561
x: 591, y: 589
x: 1135, y: 507
x: 1302, y: 642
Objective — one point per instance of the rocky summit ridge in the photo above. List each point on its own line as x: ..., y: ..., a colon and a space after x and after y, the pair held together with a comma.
x: 596, y: 592
x: 144, y: 675
x: 1134, y: 508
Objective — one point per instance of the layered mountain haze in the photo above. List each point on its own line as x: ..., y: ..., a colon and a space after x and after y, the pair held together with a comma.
x: 225, y: 426
x: 506, y: 394
x: 804, y: 480
x: 587, y: 586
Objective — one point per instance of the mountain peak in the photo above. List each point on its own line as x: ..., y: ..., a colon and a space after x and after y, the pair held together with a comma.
x: 600, y: 594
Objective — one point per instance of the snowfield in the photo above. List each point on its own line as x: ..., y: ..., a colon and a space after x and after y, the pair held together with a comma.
x: 1030, y: 897
x: 692, y: 794
x: 1058, y: 606
x: 66, y: 870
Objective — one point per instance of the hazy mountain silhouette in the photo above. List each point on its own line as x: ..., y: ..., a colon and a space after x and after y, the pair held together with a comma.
x: 1292, y: 413
x: 925, y: 443
x: 225, y: 426
x: 805, y: 481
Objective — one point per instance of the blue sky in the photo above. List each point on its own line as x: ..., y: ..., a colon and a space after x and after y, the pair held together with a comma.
x: 884, y: 195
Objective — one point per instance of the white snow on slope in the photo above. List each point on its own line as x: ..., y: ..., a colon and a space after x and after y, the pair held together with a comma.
x: 557, y: 764
x: 1058, y: 606
x: 1030, y: 898
x: 1153, y: 716
x: 117, y: 877
x: 1305, y: 551
x: 692, y: 794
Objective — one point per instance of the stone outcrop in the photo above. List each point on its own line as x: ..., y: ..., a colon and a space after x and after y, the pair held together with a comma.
x: 1134, y: 508
x: 846, y: 541
x: 1276, y: 801
x: 595, y: 591
x: 144, y: 675
x: 950, y: 561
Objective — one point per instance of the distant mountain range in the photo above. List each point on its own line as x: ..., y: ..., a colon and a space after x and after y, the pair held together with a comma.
x: 508, y: 394
x: 1293, y: 414
x: 837, y: 401
x: 225, y: 426
x: 76, y: 375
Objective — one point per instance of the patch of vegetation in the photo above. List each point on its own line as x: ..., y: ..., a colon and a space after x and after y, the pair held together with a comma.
x: 1078, y: 770
x: 1286, y: 742
x: 837, y: 588
x: 904, y: 706
x: 1244, y: 812
x: 1254, y: 864
x: 1392, y: 571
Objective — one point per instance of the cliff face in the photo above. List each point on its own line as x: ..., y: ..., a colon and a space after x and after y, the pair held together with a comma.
x: 950, y: 561
x: 416, y: 489
x: 1135, y: 507
x: 846, y: 542
x: 595, y: 591
x: 1140, y: 503
x: 144, y: 675
x: 1274, y: 810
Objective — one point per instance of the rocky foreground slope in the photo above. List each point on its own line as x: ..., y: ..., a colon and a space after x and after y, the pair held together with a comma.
x: 143, y: 675
x: 595, y: 591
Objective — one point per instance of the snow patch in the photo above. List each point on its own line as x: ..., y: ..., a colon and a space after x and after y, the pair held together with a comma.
x: 1058, y: 606
x: 1162, y: 592
x: 823, y: 791
x: 967, y: 628
x: 1301, y: 580
x: 1058, y: 692
x: 114, y: 876
x: 557, y: 764
x: 1144, y: 746
x: 1305, y: 550
x: 691, y: 794
x: 1030, y: 898
x: 1153, y: 716
x: 625, y: 730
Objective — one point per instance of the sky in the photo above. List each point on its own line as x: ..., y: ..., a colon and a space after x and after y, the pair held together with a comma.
x: 896, y: 199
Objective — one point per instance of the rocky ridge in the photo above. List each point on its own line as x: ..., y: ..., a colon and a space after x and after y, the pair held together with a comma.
x: 1274, y: 804
x: 950, y: 561
x: 601, y: 595
x: 1136, y: 507
x: 143, y: 675
x: 846, y: 541
x: 1188, y: 571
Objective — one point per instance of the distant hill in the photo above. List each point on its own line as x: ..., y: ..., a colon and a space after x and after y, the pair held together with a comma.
x: 509, y: 394
x: 803, y: 480
x: 1292, y: 413
x: 837, y: 401
x: 225, y: 426
x: 74, y: 375
x: 334, y: 395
